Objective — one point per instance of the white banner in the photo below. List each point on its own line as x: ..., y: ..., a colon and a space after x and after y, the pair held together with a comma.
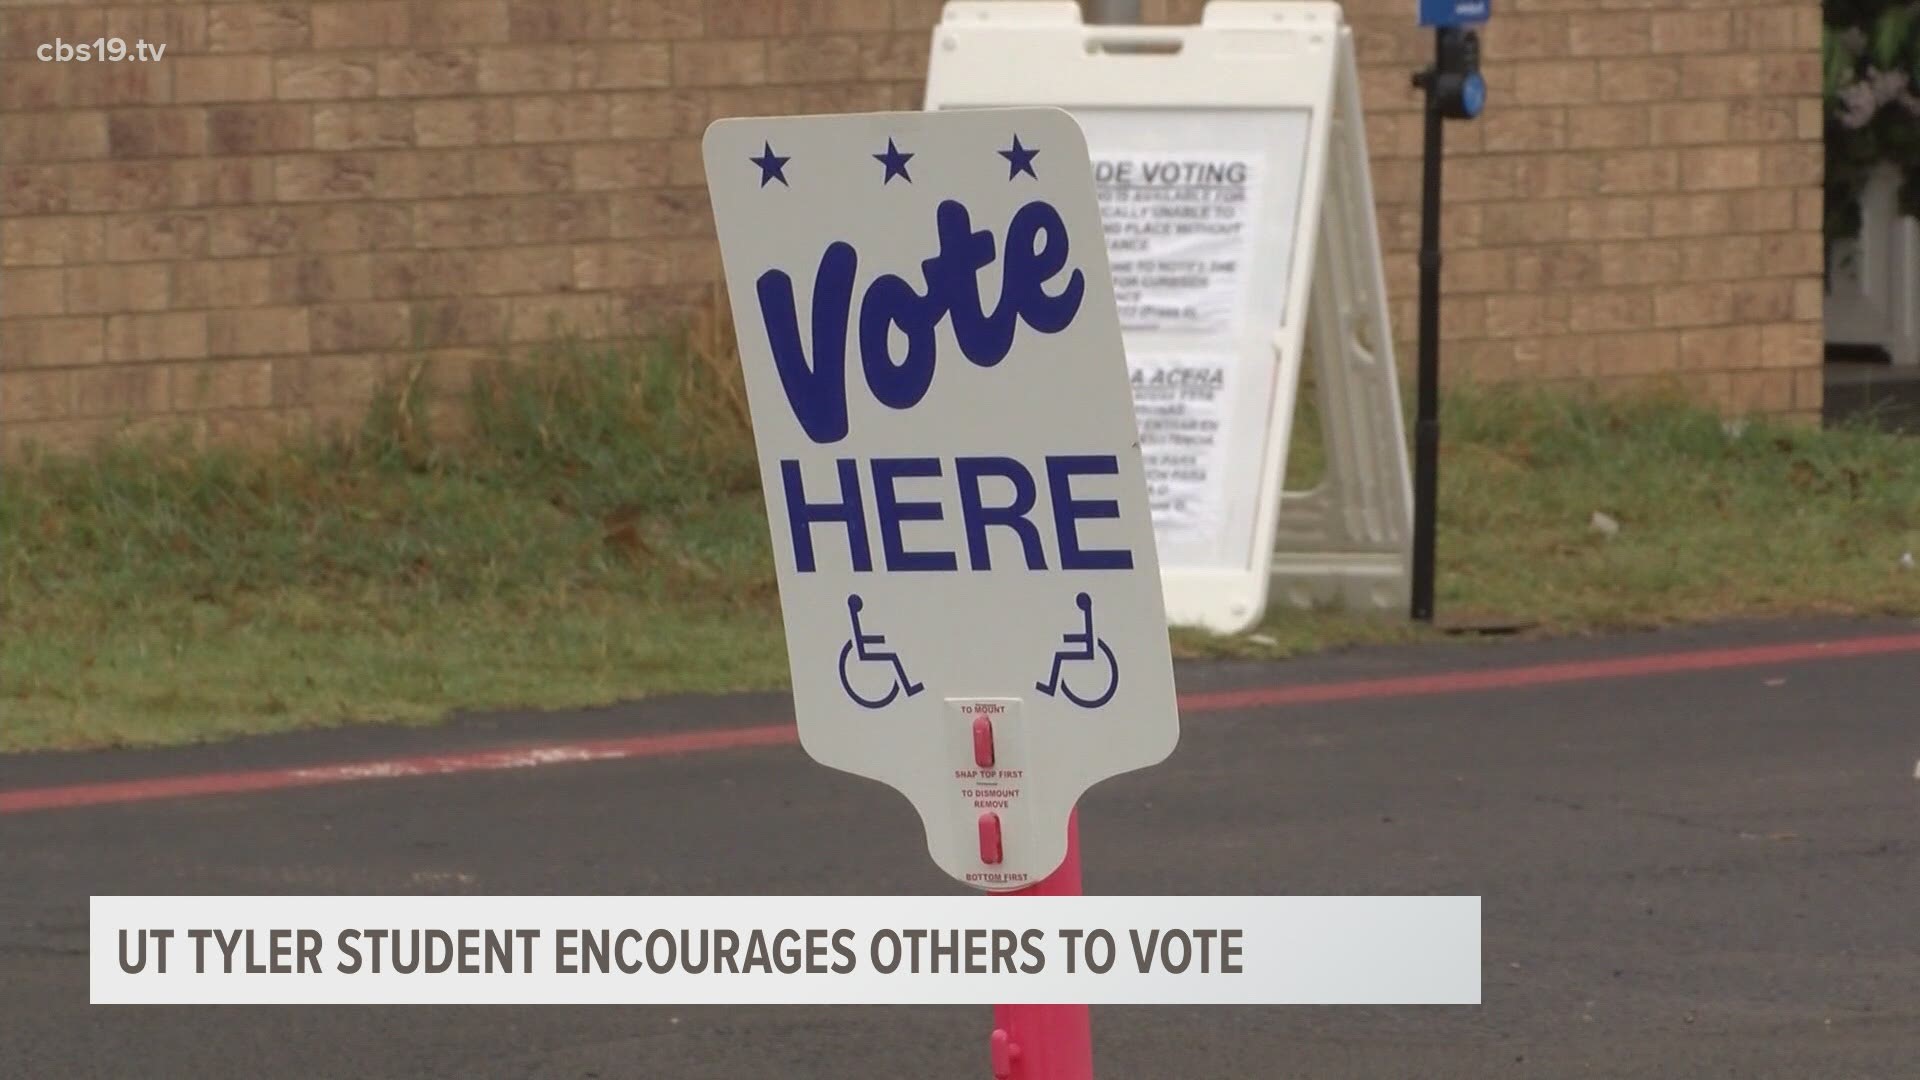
x: 768, y: 950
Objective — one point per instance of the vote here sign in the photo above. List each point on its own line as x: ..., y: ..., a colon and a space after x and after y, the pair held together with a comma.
x: 952, y: 468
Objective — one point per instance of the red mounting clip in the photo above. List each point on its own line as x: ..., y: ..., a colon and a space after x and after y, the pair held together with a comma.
x: 1003, y: 1051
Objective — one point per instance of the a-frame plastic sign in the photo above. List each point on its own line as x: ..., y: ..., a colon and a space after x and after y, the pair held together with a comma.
x: 959, y: 517
x: 1231, y: 164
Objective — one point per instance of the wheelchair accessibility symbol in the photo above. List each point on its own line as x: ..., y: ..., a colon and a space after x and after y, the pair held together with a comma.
x: 860, y: 644
x: 1087, y: 644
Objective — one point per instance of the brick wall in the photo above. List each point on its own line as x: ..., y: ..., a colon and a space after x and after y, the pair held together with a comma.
x: 299, y: 199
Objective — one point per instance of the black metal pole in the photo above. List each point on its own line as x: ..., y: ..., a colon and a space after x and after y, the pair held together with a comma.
x: 1426, y: 460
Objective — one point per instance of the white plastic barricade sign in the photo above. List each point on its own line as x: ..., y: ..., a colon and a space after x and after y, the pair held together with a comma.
x: 1232, y: 174
x: 954, y: 485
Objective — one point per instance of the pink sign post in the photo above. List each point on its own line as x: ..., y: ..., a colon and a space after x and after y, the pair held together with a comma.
x: 1046, y: 1042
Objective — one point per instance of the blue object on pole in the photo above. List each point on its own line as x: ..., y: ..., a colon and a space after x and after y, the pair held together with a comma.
x: 1455, y: 12
x: 1473, y: 95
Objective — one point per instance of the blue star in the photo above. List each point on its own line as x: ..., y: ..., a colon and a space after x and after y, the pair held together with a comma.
x: 896, y: 163
x: 1019, y: 160
x: 771, y: 165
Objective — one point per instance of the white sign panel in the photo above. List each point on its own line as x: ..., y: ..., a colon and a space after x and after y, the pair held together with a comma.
x: 954, y: 480
x: 1230, y: 158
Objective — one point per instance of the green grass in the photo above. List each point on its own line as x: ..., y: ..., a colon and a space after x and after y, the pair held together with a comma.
x: 597, y: 534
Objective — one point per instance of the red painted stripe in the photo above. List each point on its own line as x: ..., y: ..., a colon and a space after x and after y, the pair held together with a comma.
x: 694, y: 742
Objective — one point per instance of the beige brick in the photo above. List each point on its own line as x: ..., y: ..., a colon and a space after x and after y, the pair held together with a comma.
x: 522, y: 170
x: 1639, y: 79
x: 812, y: 59
x: 116, y: 288
x: 328, y: 380
x: 460, y: 22
x: 172, y: 335
x: 1636, y: 171
x: 221, y: 283
x: 1638, y: 352
x: 405, y: 275
x: 542, y: 20
x: 623, y: 66
x: 1527, y: 314
x: 128, y: 185
x: 51, y: 241
x: 1765, y: 301
x: 1718, y: 348
x: 257, y: 331
x: 1720, y: 76
x: 1717, y: 168
x: 814, y: 16
x: 147, y: 237
x: 1809, y: 210
x: 463, y: 123
x: 435, y: 73
x: 1598, y: 127
x: 351, y: 327
x: 26, y: 139
x: 686, y: 166
x: 1507, y: 130
x: 540, y: 318
x: 221, y: 181
x: 29, y: 292
x: 661, y: 212
x: 22, y: 31
x: 656, y: 114
x: 1794, y: 164
x: 362, y: 126
x: 259, y: 129
x: 1691, y: 122
x: 251, y: 28
x: 467, y: 321
x: 1760, y: 391
x: 894, y: 56
x: 311, y: 177
x: 561, y: 219
x: 1764, y: 120
x: 1792, y: 73
x: 656, y: 20
x: 145, y: 133
x: 560, y: 118
x: 222, y: 78
x: 1790, y: 253
x: 324, y: 77
x: 1765, y: 210
x: 1609, y: 219
x: 1641, y: 262
x: 524, y: 69
x: 743, y: 18
x: 379, y: 227
x: 1692, y: 215
x: 1809, y: 392
x: 311, y: 279
x: 1692, y: 31
x: 1524, y: 222
x: 181, y: 27
x: 1591, y: 311
x: 36, y: 86
x: 719, y: 63
x: 1563, y: 267
x: 1720, y: 258
x: 423, y: 174
x: 60, y: 342
x: 124, y: 84
x: 1809, y: 299
x: 1705, y: 304
x: 232, y: 384
x: 30, y: 190
x: 617, y: 166
x: 461, y: 223
x: 36, y: 395
x: 505, y: 271
x: 1608, y: 33
x: 1787, y: 26
x: 359, y: 25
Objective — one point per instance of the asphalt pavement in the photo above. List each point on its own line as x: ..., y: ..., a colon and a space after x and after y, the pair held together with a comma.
x: 1700, y: 872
